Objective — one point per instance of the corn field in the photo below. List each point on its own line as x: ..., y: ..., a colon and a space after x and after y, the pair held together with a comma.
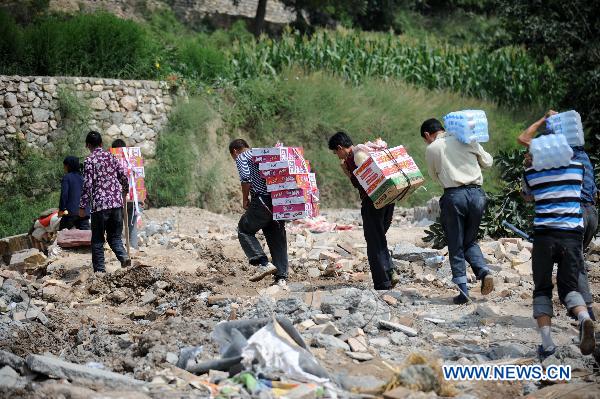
x: 508, y: 75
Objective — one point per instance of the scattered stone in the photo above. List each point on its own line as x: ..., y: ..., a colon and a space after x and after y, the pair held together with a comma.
x: 327, y: 328
x: 27, y: 261
x: 313, y: 272
x: 360, y: 356
x: 398, y: 338
x: 60, y: 369
x: 137, y: 314
x: 487, y: 311
x: 118, y: 296
x: 322, y: 318
x: 9, y: 378
x: 398, y: 327
x: 12, y: 360
x: 420, y: 377
x: 364, y: 382
x: 358, y: 344
x: 405, y: 393
x: 219, y: 300
x: 438, y: 336
x: 329, y: 342
x: 511, y: 351
x: 330, y: 256
x: 303, y: 391
x: 307, y: 324
x: 390, y: 300
x: 148, y: 298
x: 172, y: 357
x: 412, y: 253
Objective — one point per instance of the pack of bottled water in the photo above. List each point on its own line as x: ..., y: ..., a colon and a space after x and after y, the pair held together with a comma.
x: 550, y: 151
x: 568, y: 124
x: 467, y: 126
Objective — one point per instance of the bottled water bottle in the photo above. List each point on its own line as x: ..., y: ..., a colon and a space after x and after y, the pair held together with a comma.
x: 467, y: 126
x: 550, y: 151
x: 568, y: 124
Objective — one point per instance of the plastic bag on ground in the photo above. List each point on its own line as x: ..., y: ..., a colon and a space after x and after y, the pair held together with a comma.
x: 274, y: 350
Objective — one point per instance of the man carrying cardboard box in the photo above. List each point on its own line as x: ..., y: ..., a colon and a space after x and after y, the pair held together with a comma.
x: 259, y: 216
x: 457, y: 168
x: 376, y: 222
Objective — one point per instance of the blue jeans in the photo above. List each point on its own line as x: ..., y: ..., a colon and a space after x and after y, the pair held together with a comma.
x: 462, y: 209
x: 257, y: 217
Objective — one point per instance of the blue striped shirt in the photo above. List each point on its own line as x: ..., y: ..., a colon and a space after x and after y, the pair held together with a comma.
x: 249, y: 173
x: 589, y: 189
x: 557, y: 194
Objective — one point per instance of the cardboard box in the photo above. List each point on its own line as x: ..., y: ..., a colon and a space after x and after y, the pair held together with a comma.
x: 295, y: 196
x: 389, y: 176
x: 291, y: 182
x: 275, y: 154
x: 133, y: 163
x: 294, y: 212
x: 282, y: 168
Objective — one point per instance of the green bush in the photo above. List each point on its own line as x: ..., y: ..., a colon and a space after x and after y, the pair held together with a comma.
x: 173, y: 176
x: 200, y: 61
x: 84, y: 45
x: 11, y: 38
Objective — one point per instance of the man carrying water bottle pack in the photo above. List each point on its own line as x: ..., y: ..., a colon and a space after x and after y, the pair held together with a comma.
x: 589, y: 193
x: 457, y: 168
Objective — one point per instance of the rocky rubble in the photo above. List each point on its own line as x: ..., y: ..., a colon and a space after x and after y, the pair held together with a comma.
x: 145, y: 325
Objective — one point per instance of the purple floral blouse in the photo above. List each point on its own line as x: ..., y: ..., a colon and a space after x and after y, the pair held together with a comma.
x: 104, y: 182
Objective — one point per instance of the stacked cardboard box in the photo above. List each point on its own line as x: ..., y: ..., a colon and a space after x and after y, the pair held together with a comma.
x: 292, y: 186
x: 389, y: 175
x: 133, y: 163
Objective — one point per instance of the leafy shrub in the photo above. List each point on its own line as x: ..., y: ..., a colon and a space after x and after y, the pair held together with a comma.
x: 203, y: 62
x: 84, y: 45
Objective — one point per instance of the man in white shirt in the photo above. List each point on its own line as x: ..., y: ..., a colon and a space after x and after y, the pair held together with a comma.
x: 457, y: 168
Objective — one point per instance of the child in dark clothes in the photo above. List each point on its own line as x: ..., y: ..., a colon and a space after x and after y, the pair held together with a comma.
x: 70, y: 195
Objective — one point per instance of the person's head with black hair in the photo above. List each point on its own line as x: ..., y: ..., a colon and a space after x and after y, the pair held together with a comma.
x: 71, y: 164
x: 118, y: 143
x: 237, y: 146
x: 430, y: 129
x: 340, y: 144
x: 93, y: 140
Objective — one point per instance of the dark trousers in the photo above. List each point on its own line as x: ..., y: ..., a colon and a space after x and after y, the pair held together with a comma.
x: 257, y: 217
x: 462, y: 209
x: 564, y: 248
x: 376, y: 223
x: 70, y: 221
x: 590, y: 225
x: 109, y: 223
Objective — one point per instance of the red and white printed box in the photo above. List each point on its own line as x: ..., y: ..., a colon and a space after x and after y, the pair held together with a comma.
x: 291, y: 182
x: 275, y: 154
x: 296, y: 196
x: 296, y: 211
x: 281, y: 168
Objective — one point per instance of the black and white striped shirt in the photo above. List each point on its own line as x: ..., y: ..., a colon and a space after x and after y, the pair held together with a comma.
x: 249, y: 173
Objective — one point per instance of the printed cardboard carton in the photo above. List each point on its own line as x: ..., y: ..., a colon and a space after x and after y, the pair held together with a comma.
x: 291, y: 182
x: 281, y: 168
x: 295, y: 196
x: 294, y: 212
x: 275, y: 154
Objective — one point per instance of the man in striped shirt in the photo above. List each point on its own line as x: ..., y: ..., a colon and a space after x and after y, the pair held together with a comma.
x: 259, y: 216
x: 558, y: 227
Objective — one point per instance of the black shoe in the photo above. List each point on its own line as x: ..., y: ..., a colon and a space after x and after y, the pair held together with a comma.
x: 543, y: 354
x: 126, y: 262
x: 460, y: 299
x: 394, y: 278
x: 587, y: 340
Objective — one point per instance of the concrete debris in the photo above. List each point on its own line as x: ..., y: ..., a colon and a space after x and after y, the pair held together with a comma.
x: 360, y: 356
x: 60, y: 369
x: 398, y: 327
x: 30, y: 261
x: 412, y: 253
x: 329, y: 342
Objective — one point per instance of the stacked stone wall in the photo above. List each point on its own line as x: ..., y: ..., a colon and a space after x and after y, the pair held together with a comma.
x: 30, y: 111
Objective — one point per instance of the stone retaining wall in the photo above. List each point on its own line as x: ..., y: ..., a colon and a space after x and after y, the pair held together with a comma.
x: 129, y: 109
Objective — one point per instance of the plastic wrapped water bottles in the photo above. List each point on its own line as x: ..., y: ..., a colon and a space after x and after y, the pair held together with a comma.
x: 568, y: 124
x: 550, y: 151
x: 468, y: 126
